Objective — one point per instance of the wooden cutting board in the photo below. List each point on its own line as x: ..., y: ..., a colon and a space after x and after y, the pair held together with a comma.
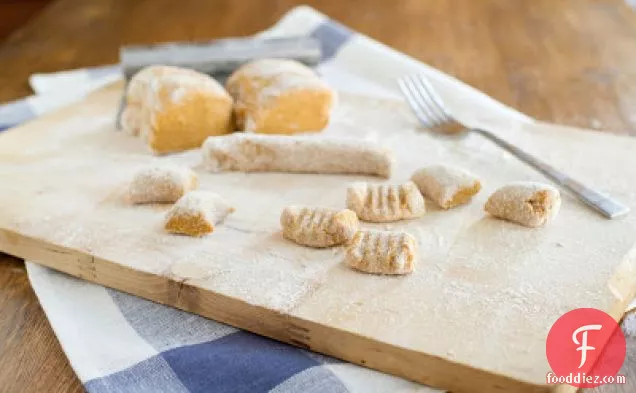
x: 473, y: 317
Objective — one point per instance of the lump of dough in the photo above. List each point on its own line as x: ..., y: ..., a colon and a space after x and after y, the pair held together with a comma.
x: 317, y: 226
x: 176, y: 109
x: 197, y: 213
x: 276, y: 96
x: 385, y: 202
x: 161, y: 184
x: 382, y: 252
x: 136, y: 91
x: 446, y: 185
x: 527, y: 203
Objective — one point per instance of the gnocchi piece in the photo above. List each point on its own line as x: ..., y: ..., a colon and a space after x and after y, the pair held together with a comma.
x: 176, y: 109
x: 446, y: 185
x: 385, y: 202
x: 318, y: 227
x: 527, y: 203
x: 277, y: 96
x: 197, y: 213
x: 161, y: 184
x: 382, y: 252
x: 303, y: 154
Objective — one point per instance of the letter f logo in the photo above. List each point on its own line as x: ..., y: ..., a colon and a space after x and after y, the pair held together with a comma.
x: 583, y: 344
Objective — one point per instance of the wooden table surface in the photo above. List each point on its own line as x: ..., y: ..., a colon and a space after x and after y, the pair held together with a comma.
x: 566, y: 61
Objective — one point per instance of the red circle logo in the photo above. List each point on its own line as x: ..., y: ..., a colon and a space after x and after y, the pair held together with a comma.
x: 585, y: 348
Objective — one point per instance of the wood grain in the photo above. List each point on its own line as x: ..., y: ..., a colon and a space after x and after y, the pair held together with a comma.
x: 15, y: 13
x: 566, y: 61
x: 31, y: 356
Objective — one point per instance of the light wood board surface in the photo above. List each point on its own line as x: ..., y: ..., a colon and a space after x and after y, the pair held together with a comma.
x: 474, y: 315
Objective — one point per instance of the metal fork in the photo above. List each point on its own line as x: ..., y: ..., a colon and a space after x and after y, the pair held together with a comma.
x: 433, y: 114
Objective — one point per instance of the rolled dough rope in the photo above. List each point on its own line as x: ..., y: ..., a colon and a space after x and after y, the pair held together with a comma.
x: 161, y: 184
x: 446, y: 185
x: 385, y: 202
x: 318, y: 227
x: 197, y: 213
x: 303, y: 154
x: 527, y: 203
x: 382, y: 252
x: 175, y: 109
x: 276, y: 96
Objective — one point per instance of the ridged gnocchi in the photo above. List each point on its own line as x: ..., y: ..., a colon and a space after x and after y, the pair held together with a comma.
x: 385, y: 202
x: 382, y: 252
x: 317, y: 226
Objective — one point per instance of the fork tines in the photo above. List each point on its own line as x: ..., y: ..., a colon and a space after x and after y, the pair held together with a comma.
x: 425, y: 102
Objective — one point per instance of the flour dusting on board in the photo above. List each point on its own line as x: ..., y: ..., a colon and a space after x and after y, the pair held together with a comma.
x: 480, y: 284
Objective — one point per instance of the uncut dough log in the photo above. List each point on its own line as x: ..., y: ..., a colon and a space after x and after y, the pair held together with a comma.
x: 318, y: 226
x: 303, y: 154
x: 176, y: 109
x: 446, y: 185
x: 382, y: 252
x: 276, y: 96
x: 527, y: 203
x: 197, y: 213
x: 161, y: 184
x: 385, y: 202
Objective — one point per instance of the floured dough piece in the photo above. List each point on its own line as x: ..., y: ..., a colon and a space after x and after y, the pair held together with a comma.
x: 176, y: 109
x: 446, y: 185
x: 527, y: 203
x: 137, y: 89
x: 196, y: 213
x: 385, y: 202
x: 161, y: 184
x: 137, y: 93
x: 382, y: 252
x: 276, y: 96
x: 317, y: 226
x: 305, y: 154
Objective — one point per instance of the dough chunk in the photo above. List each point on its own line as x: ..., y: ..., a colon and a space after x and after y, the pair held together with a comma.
x: 161, y: 184
x: 276, y: 96
x: 317, y: 226
x: 382, y: 252
x: 446, y: 185
x: 303, y: 154
x: 527, y: 203
x: 136, y: 92
x: 197, y: 213
x: 176, y: 109
x: 385, y: 202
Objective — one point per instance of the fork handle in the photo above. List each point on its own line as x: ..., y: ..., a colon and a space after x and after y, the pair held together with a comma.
x: 594, y: 199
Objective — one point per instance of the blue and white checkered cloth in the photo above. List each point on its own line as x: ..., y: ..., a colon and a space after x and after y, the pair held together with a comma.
x: 120, y: 343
